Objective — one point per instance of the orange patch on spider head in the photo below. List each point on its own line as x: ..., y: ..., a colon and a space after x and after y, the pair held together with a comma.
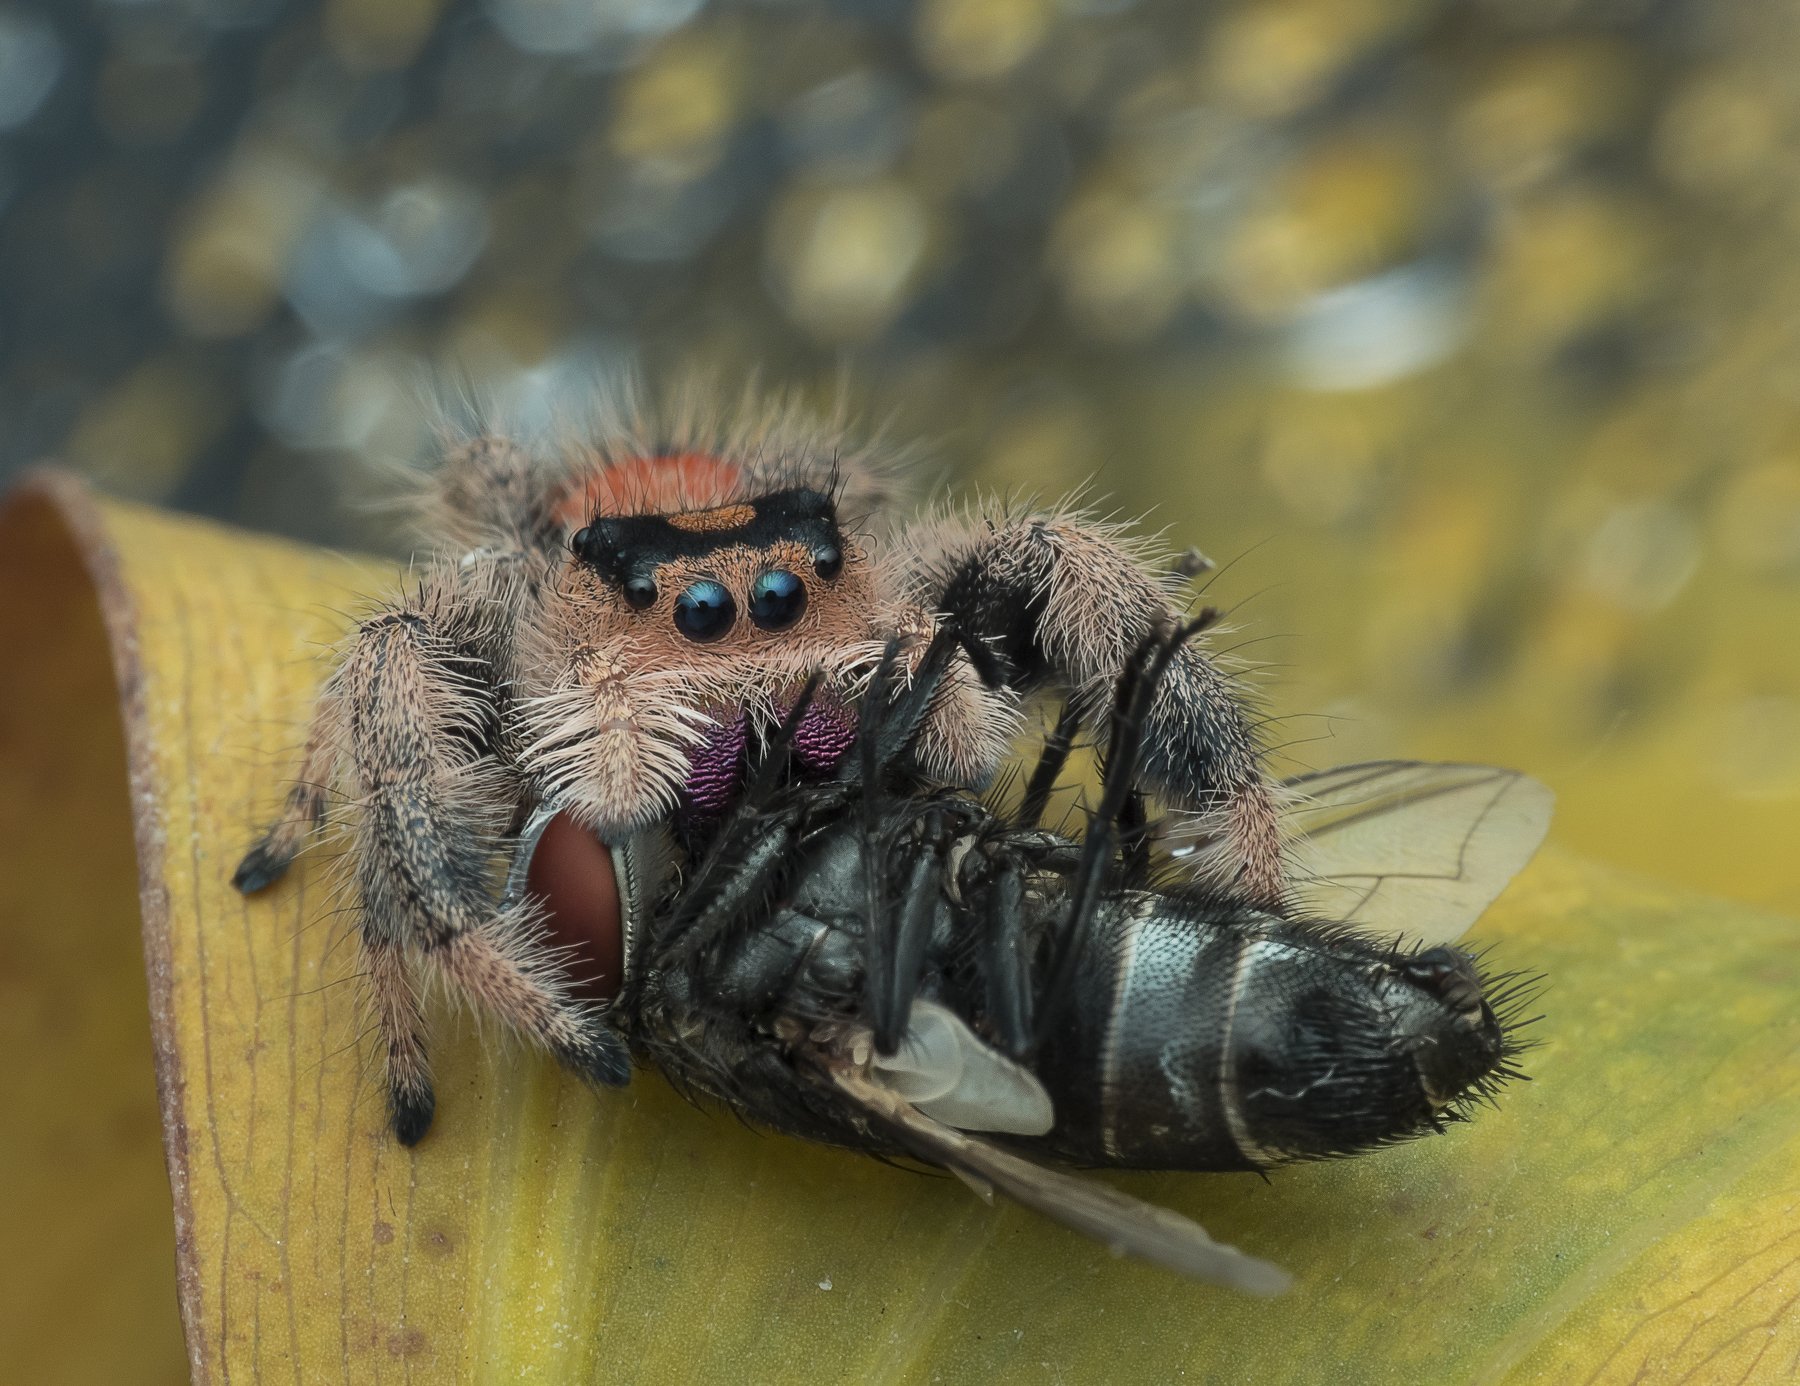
x: 676, y: 481
x: 705, y: 521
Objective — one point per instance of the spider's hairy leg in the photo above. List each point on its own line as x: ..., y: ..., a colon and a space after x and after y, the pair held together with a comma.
x: 492, y: 494
x: 1056, y: 598
x: 304, y: 809
x: 434, y: 802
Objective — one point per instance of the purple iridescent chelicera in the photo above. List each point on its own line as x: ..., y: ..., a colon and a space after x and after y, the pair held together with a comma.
x: 716, y: 767
x: 824, y: 737
x: 826, y: 732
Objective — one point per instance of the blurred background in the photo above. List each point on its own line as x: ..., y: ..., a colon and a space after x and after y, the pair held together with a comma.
x: 1467, y: 335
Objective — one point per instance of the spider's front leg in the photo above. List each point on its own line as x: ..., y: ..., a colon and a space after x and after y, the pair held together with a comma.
x: 415, y: 719
x: 1054, y: 598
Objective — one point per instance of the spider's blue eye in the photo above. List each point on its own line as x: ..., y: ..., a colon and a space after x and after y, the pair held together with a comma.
x: 704, y: 611
x: 777, y: 600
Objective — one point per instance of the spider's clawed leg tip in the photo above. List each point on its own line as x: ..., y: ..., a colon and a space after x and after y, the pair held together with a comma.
x: 412, y: 1114
x: 602, y: 1059
x: 259, y: 869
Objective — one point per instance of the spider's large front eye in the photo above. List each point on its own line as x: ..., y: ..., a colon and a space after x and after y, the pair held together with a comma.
x: 705, y: 611
x: 777, y: 600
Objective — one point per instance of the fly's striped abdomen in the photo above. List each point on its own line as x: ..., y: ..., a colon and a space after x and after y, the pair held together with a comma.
x: 1248, y: 1041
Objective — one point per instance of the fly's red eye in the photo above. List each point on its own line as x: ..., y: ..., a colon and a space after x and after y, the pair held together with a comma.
x: 572, y: 873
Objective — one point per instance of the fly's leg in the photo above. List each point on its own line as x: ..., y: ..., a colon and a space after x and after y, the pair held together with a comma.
x: 898, y: 720
x: 1130, y: 724
x: 749, y: 852
x: 997, y: 875
x: 894, y: 940
x: 1134, y: 837
x: 1054, y: 598
x: 899, y: 951
x: 1048, y: 769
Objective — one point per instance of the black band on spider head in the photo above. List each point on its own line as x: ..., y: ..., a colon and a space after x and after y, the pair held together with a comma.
x: 624, y: 548
x: 604, y: 548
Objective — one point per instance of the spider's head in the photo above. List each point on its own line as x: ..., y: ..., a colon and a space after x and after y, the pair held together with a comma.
x: 731, y: 577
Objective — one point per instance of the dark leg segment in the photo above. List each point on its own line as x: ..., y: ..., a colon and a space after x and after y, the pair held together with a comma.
x: 1049, y: 768
x: 268, y: 861
x: 894, y: 967
x: 1137, y: 693
x: 1009, y: 968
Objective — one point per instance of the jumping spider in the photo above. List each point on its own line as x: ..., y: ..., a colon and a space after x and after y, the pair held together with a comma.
x: 610, y: 629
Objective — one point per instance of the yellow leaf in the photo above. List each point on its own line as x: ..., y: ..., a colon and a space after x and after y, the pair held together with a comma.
x: 1633, y: 1214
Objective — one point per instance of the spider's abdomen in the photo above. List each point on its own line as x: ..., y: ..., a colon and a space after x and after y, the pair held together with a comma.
x: 666, y: 483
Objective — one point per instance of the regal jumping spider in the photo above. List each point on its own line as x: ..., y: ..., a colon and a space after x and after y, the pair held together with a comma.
x: 611, y: 628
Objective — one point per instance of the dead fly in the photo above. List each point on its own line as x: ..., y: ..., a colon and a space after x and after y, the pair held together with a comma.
x: 611, y: 626
x: 876, y: 964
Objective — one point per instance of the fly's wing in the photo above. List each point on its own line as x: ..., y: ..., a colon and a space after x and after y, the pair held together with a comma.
x: 1125, y: 1225
x: 1410, y: 847
x: 943, y: 1068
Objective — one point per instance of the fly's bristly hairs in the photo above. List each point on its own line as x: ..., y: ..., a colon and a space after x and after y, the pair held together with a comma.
x: 908, y: 970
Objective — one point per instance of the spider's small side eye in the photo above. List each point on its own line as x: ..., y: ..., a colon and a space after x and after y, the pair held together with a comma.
x: 640, y: 592
x: 583, y: 541
x: 704, y: 611
x: 777, y: 600
x: 828, y: 562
